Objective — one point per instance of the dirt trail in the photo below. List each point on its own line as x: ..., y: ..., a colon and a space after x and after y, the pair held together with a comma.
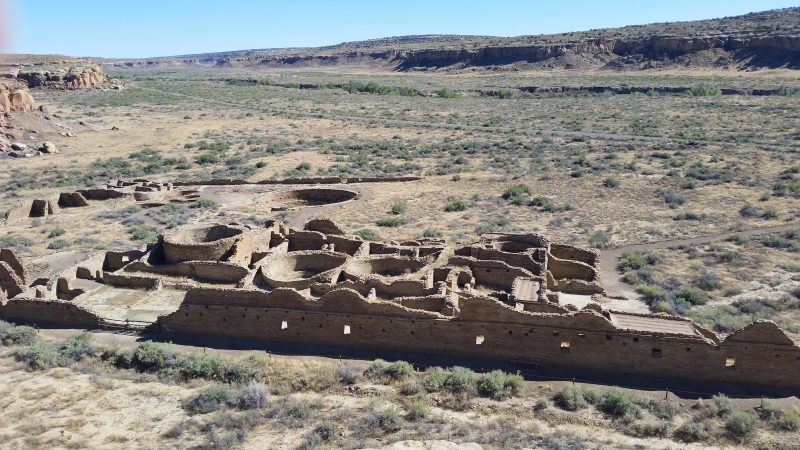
x: 612, y: 279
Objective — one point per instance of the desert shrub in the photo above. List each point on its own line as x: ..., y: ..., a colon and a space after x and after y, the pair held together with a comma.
x: 592, y: 397
x: 517, y: 190
x: 653, y: 294
x: 399, y: 370
x: 599, y: 239
x: 389, y: 420
x: 431, y: 233
x: 56, y: 232
x: 456, y: 205
x: 789, y: 421
x: 58, y: 244
x: 707, y: 280
x: 650, y: 428
x: 410, y: 387
x: 418, y: 410
x: 718, y: 406
x: 671, y: 198
x: 692, y: 295
x: 663, y: 409
x: 40, y: 355
x: 631, y: 260
x: 748, y: 210
x: 253, y: 395
x: 498, y: 384
x: 447, y: 93
x: 693, y: 431
x: 393, y: 221
x: 327, y: 430
x: 206, y: 203
x: 348, y: 374
x: 17, y: 243
x: 570, y: 398
x: 611, y: 182
x: 433, y: 379
x: 459, y: 379
x: 701, y: 90
x: 297, y: 410
x: 367, y: 234
x: 211, y: 399
x: 619, y: 405
x: 399, y: 208
x: 204, y: 365
x: 742, y: 424
x: 11, y: 334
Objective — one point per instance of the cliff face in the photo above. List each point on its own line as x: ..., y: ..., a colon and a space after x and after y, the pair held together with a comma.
x: 768, y: 39
x: 749, y: 51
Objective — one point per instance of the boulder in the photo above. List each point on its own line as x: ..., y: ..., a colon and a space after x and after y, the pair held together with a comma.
x: 48, y: 147
x: 19, y: 146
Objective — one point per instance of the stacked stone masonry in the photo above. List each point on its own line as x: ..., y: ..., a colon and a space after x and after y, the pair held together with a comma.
x: 497, y: 299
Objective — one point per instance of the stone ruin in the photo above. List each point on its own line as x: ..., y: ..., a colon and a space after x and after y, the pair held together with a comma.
x: 507, y: 298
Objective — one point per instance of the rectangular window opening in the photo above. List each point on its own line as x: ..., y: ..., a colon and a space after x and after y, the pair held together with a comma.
x: 565, y: 346
x: 284, y: 325
x: 347, y: 329
x: 479, y: 339
x: 656, y: 353
x: 730, y: 363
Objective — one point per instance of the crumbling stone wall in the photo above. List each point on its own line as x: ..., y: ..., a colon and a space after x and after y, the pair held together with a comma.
x: 51, y: 312
x: 592, y: 342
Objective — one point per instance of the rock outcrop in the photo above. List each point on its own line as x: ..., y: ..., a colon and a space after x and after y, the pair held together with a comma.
x: 66, y: 73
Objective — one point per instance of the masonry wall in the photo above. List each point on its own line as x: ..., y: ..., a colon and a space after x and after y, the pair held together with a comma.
x: 608, y: 350
x: 47, y: 312
x: 688, y: 359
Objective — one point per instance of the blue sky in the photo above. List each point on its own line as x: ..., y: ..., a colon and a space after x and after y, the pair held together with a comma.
x: 142, y: 28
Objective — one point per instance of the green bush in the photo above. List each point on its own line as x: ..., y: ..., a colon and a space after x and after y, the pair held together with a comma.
x: 742, y: 424
x: 399, y: 370
x: 389, y: 420
x: 58, y: 244
x: 211, y: 399
x: 619, y: 405
x: 459, y: 379
x: 456, y: 205
x: 447, y: 93
x: 692, y: 295
x: 570, y: 398
x: 399, y: 208
x: 789, y: 421
x: 44, y: 355
x: 702, y: 90
x: 367, y: 234
x: 206, y: 203
x: 11, y: 334
x: 693, y: 431
x: 517, y: 190
x: 653, y: 294
x: 498, y: 384
x: 631, y: 260
x: 720, y: 406
x: 349, y: 374
x: 418, y: 410
x: 431, y: 233
x: 434, y: 378
x: 393, y: 221
x: 611, y: 182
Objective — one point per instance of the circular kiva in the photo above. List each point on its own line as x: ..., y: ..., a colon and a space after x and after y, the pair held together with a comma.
x: 301, y: 269
x: 308, y: 197
x: 386, y: 266
x: 206, y: 243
